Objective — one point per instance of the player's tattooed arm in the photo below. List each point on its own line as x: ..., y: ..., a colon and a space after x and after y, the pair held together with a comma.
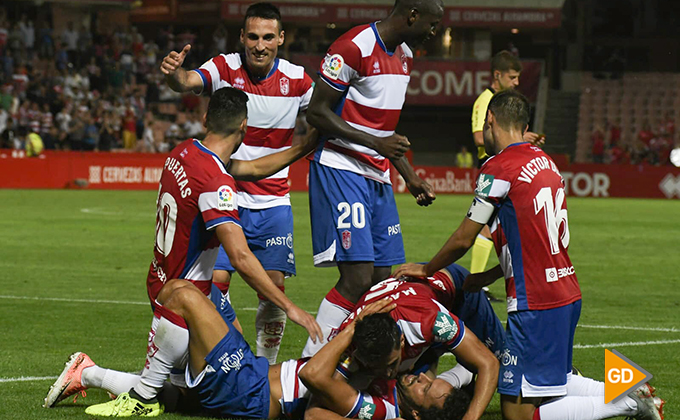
x: 176, y: 77
x: 321, y: 115
x: 253, y: 170
x: 474, y: 282
x: 418, y: 187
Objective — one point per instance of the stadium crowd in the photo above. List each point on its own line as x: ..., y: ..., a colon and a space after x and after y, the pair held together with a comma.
x: 83, y: 90
x: 651, y: 145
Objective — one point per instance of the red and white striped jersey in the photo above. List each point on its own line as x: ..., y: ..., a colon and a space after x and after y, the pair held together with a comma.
x: 421, y: 314
x: 379, y: 402
x: 374, y: 82
x: 530, y: 229
x: 195, y: 195
x: 273, y: 105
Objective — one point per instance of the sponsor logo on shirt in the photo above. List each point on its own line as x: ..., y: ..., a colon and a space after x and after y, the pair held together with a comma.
x: 507, y: 377
x: 366, y: 411
x: 225, y: 198
x: 507, y: 359
x: 280, y: 241
x: 376, y: 68
x: 239, y: 83
x: 445, y: 328
x: 394, y: 230
x: 332, y: 66
x: 484, y: 183
x: 553, y: 274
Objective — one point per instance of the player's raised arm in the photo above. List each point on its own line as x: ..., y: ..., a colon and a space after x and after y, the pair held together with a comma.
x: 321, y: 115
x: 253, y: 170
x: 234, y: 242
x: 176, y: 77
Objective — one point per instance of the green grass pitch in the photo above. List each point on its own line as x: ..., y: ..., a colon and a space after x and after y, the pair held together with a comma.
x: 62, y: 250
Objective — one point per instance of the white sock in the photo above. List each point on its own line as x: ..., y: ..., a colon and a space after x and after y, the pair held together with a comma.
x: 332, y: 311
x: 166, y: 350
x: 586, y: 408
x: 458, y: 377
x: 270, y: 322
x: 109, y: 380
x: 579, y: 386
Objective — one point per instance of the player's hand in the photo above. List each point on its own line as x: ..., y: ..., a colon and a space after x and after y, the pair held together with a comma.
x: 537, y: 140
x: 307, y: 142
x: 410, y: 270
x: 393, y: 147
x: 174, y: 60
x: 381, y: 306
x: 422, y: 191
x: 306, y: 321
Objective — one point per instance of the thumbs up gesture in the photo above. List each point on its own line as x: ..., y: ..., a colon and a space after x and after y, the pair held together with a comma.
x: 174, y: 60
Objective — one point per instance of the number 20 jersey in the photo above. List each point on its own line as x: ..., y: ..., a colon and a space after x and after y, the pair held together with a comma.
x: 196, y: 194
x: 530, y: 229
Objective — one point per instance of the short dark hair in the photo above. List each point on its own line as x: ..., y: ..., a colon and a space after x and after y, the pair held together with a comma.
x: 511, y: 109
x: 226, y: 109
x: 505, y: 61
x: 454, y: 408
x: 375, y: 337
x: 263, y: 10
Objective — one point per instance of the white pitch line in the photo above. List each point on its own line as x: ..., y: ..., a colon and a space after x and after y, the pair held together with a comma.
x: 625, y: 344
x: 27, y: 379
x: 623, y: 327
x: 116, y: 302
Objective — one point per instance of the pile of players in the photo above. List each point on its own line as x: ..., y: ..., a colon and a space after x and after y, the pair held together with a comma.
x: 374, y: 346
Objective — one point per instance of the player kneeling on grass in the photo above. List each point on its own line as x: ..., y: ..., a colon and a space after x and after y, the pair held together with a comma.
x: 526, y: 211
x: 230, y: 381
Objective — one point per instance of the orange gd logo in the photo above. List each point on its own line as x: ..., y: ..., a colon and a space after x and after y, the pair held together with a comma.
x: 621, y: 376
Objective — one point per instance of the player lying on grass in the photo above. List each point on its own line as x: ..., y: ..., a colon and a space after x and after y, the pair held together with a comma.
x: 229, y: 381
x: 197, y: 210
x: 427, y: 313
x: 520, y: 196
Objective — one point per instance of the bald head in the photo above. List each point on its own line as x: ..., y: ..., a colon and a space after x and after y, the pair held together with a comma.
x: 431, y: 7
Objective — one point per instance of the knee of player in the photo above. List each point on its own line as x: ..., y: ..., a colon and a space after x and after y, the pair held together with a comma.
x: 172, y: 288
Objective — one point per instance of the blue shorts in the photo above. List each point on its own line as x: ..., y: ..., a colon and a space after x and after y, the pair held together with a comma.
x: 475, y: 310
x: 538, y: 353
x: 353, y: 219
x: 222, y: 304
x: 269, y: 233
x: 235, y: 383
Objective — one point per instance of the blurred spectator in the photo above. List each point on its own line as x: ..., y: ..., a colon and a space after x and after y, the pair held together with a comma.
x: 8, y: 135
x: 464, y: 158
x: 618, y: 155
x: 50, y: 139
x: 646, y: 135
x: 129, y: 129
x: 69, y: 39
x: 614, y: 132
x: 34, y: 144
x: 107, y: 134
x: 220, y: 39
x: 46, y: 120
x: 4, y: 116
x: 193, y: 127
x: 598, y: 146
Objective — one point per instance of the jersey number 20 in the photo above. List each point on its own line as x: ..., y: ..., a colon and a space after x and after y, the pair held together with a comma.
x: 555, y: 215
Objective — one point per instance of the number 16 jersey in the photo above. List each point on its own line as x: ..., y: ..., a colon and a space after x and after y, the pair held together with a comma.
x: 196, y: 194
x: 530, y: 229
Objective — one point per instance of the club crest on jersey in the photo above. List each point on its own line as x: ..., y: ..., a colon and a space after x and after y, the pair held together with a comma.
x: 366, y: 411
x: 225, y: 198
x: 445, y: 328
x: 332, y: 65
x: 346, y: 239
x: 284, y: 84
x: 484, y: 183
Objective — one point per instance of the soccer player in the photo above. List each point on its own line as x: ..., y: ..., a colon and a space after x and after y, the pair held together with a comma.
x: 505, y: 71
x: 230, y: 381
x: 355, y: 224
x: 520, y: 195
x: 198, y: 211
x: 278, y: 90
x: 424, y: 315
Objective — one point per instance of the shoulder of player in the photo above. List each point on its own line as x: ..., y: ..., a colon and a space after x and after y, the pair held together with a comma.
x: 290, y: 70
